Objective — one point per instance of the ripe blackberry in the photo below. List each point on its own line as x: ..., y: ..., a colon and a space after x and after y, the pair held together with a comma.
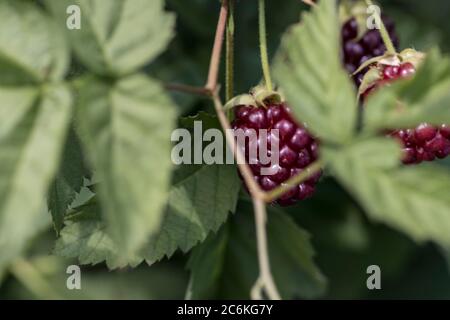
x: 357, y: 50
x: 424, y: 143
x: 297, y: 148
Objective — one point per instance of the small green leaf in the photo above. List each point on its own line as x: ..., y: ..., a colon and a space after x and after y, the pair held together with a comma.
x: 310, y: 74
x: 68, y: 181
x: 32, y: 48
x: 84, y: 237
x: 117, y: 37
x: 226, y: 264
x: 425, y: 98
x: 125, y: 128
x: 33, y: 127
x: 413, y: 200
x: 199, y: 202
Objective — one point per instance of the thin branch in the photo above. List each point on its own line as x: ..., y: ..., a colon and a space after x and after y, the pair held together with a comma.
x: 202, y: 91
x: 214, y: 65
x: 383, y: 32
x: 307, y: 173
x: 246, y: 173
x: 263, y: 44
x: 229, y: 74
x: 309, y: 2
x: 265, y: 279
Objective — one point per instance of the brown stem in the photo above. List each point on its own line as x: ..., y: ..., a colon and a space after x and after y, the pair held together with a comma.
x: 246, y: 173
x: 265, y: 280
x: 214, y: 65
x: 202, y: 91
x: 307, y: 173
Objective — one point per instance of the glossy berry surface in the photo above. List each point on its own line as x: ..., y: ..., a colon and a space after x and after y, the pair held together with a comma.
x: 424, y: 143
x: 356, y: 50
x: 297, y: 149
x: 389, y: 74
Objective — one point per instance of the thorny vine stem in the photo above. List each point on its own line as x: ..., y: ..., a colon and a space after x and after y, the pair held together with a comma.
x: 265, y: 283
x: 214, y: 64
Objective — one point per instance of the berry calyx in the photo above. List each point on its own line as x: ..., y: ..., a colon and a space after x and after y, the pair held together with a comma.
x: 297, y: 148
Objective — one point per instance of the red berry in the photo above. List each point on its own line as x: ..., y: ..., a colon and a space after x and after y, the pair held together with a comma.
x: 424, y: 133
x: 406, y: 70
x: 390, y: 72
x: 445, y: 131
x: 297, y: 149
x: 256, y: 119
x: 424, y: 143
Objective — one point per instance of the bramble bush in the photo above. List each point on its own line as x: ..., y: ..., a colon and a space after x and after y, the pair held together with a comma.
x: 86, y: 118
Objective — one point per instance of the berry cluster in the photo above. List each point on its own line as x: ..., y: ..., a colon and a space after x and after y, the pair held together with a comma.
x: 424, y: 143
x: 389, y: 74
x: 357, y: 50
x: 297, y: 148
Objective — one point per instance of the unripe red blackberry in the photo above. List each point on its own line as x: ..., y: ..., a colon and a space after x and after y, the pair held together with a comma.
x: 297, y: 148
x: 357, y: 49
x: 424, y: 143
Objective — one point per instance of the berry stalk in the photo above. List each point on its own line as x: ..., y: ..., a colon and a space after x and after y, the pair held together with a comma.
x: 384, y: 33
x: 263, y: 44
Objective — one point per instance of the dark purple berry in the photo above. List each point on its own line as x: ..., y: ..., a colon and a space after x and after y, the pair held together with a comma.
x: 357, y: 50
x: 297, y: 149
x: 257, y: 119
x: 286, y: 129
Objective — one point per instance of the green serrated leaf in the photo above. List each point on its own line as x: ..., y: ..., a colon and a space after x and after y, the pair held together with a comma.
x: 226, y: 264
x: 33, y: 127
x: 311, y: 76
x: 125, y: 128
x: 32, y: 48
x: 84, y: 237
x: 199, y: 202
x: 68, y: 181
x: 405, y: 104
x: 117, y: 37
x: 412, y: 199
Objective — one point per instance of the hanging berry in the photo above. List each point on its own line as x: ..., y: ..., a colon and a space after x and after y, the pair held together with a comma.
x: 297, y: 148
x: 359, y: 44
